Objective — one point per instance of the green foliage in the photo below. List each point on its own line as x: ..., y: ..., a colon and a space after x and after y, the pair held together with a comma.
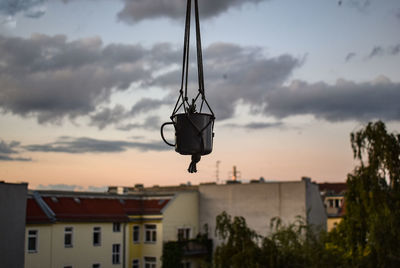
x: 174, y: 251
x: 368, y: 236
x: 371, y: 227
x: 240, y: 248
x: 293, y: 245
x: 172, y: 254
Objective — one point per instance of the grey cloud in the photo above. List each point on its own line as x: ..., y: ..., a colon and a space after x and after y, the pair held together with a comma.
x: 62, y: 187
x: 17, y: 159
x: 147, y: 104
x: 88, y: 145
x: 256, y: 125
x: 381, y: 51
x: 13, y: 7
x: 97, y: 188
x: 345, y: 100
x: 361, y: 5
x: 349, y: 56
x: 108, y: 116
x: 8, y: 148
x: 395, y: 49
x: 376, y: 51
x: 235, y: 74
x: 71, y: 187
x: 137, y: 10
x: 151, y: 123
x: 35, y: 13
x: 52, y: 78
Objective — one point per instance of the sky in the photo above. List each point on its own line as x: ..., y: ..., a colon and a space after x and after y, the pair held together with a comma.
x: 85, y: 86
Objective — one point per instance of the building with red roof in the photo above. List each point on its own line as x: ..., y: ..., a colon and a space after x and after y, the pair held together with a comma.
x: 77, y: 229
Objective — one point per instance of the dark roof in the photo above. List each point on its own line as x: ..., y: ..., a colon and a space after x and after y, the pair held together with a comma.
x: 83, y: 208
x: 332, y: 188
x: 34, y: 214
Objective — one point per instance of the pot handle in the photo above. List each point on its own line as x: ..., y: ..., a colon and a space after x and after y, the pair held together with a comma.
x: 162, y: 133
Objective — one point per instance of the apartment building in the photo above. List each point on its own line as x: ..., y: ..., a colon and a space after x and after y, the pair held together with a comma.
x: 259, y: 201
x: 129, y: 228
x: 12, y: 223
x: 333, y: 197
x: 69, y: 229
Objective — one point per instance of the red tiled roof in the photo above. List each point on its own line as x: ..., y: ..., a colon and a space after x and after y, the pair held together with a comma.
x: 34, y: 214
x: 91, y: 209
x: 77, y: 208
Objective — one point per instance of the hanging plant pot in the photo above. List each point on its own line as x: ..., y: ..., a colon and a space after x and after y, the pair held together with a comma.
x: 193, y: 133
x: 193, y: 130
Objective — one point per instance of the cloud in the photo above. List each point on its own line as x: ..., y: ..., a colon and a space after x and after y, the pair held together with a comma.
x: 346, y: 100
x: 235, y: 74
x: 11, y: 148
x: 151, y: 123
x: 394, y: 50
x: 8, y: 148
x: 381, y: 51
x: 397, y: 14
x: 256, y: 125
x: 35, y: 13
x: 52, y: 78
x: 71, y: 187
x: 8, y: 21
x: 31, y: 8
x: 9, y: 158
x: 376, y: 51
x: 61, y: 187
x: 350, y: 56
x: 137, y: 10
x: 108, y: 116
x: 361, y: 5
x: 88, y: 145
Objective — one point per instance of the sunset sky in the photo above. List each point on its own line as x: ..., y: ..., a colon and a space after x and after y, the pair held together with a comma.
x: 86, y: 84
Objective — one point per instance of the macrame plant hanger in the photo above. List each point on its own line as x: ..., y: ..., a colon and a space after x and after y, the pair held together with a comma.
x: 193, y: 129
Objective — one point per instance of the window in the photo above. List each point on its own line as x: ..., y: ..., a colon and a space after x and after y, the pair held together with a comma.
x: 183, y: 234
x: 32, y: 241
x: 150, y: 262
x: 96, y: 265
x: 135, y: 264
x: 68, y: 231
x: 150, y: 233
x: 96, y: 236
x: 116, y: 253
x: 116, y: 227
x: 330, y: 203
x: 136, y: 232
x: 337, y: 203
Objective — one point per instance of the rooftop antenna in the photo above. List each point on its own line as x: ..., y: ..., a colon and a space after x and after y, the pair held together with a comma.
x: 235, y: 174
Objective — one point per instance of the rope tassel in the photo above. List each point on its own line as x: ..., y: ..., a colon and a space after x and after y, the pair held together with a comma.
x: 195, y: 159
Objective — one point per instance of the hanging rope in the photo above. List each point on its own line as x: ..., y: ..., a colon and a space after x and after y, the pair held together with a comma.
x: 183, y: 101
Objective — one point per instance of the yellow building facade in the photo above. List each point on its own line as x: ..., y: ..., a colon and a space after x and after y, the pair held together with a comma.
x: 75, y: 230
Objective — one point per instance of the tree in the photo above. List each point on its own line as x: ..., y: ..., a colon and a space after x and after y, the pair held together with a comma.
x: 294, y: 245
x: 239, y: 247
x: 370, y: 231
